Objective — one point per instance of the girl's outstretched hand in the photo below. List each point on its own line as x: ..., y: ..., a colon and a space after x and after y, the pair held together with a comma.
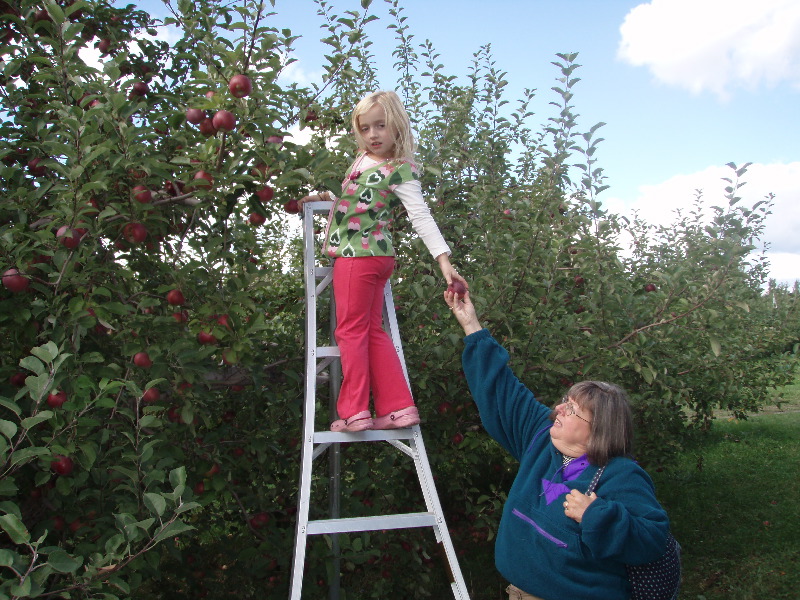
x: 464, y: 311
x: 449, y: 272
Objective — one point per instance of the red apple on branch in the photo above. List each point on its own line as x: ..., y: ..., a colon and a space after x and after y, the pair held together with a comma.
x: 35, y: 168
x: 17, y: 379
x: 142, y: 359
x: 14, y: 282
x: 207, y: 127
x: 195, y: 116
x: 151, y: 395
x: 175, y: 297
x: 257, y: 218
x: 142, y: 194
x: 203, y: 179
x: 224, y: 120
x: 104, y: 45
x: 650, y: 287
x: 240, y: 86
x: 139, y: 89
x: 206, y: 338
x: 266, y: 193
x: 56, y: 399
x: 134, y: 232
x: 62, y: 465
x: 69, y: 237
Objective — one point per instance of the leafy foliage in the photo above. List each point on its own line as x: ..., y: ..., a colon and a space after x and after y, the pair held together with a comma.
x: 175, y: 475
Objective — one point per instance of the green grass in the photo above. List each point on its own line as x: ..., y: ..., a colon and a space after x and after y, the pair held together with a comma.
x: 734, y: 509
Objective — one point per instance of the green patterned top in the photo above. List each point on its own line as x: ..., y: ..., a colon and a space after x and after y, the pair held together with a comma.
x: 360, y: 218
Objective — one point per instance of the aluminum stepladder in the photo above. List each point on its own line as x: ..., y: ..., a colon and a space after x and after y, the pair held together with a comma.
x: 314, y: 443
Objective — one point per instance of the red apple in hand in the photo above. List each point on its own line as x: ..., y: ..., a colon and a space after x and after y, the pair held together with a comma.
x: 14, y: 282
x: 291, y: 207
x: 240, y: 86
x: 457, y: 288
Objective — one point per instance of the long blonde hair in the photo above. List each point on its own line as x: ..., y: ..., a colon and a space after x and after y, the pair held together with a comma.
x: 396, y: 119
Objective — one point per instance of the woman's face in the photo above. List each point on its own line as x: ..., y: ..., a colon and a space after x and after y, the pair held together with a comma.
x: 571, y: 428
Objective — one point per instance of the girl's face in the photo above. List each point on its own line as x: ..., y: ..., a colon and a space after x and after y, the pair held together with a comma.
x: 377, y: 136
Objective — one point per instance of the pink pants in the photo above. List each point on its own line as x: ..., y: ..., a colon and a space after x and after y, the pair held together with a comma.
x: 369, y: 359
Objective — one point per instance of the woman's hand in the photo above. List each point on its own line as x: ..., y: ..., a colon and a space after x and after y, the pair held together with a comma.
x: 576, y: 503
x: 464, y: 311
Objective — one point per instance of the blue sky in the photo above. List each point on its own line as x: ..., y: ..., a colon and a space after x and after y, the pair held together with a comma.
x: 684, y: 86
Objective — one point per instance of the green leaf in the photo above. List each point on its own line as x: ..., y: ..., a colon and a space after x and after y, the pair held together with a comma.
x: 6, y: 558
x: 8, y: 487
x: 8, y: 428
x: 38, y: 385
x: 716, y: 347
x: 155, y: 503
x: 33, y: 421
x: 31, y: 363
x: 15, y: 529
x: 28, y: 454
x: 63, y: 562
x: 177, y: 477
x: 45, y: 353
x: 173, y: 529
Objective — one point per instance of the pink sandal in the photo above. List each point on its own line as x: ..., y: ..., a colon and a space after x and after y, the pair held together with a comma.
x: 358, y: 422
x: 405, y: 417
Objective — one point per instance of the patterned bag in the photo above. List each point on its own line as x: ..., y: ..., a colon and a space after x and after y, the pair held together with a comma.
x: 657, y: 580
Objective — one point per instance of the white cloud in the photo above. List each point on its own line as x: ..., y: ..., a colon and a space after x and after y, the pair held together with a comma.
x: 715, y: 45
x: 657, y: 204
x: 295, y: 73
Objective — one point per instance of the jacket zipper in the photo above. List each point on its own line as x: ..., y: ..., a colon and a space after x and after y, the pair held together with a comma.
x: 541, y: 531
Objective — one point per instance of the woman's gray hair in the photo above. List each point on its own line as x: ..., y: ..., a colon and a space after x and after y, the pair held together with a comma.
x: 612, y: 419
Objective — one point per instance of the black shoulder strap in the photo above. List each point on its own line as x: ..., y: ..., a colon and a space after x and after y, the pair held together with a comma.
x: 595, y: 480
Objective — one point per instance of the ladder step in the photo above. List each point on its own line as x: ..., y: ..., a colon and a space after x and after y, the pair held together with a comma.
x: 323, y: 351
x: 370, y: 435
x: 405, y: 521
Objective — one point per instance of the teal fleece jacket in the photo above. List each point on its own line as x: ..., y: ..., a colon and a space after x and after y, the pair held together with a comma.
x: 539, y: 549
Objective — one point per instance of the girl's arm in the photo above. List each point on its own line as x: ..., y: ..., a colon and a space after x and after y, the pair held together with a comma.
x: 410, y: 194
x: 322, y: 196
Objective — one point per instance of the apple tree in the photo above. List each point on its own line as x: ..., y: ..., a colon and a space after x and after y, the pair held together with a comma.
x: 151, y: 310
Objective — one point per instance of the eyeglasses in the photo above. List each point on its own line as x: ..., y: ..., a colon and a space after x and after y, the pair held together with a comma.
x: 569, y: 409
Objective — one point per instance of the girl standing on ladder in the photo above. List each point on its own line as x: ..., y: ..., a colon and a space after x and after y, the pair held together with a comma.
x: 359, y: 238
